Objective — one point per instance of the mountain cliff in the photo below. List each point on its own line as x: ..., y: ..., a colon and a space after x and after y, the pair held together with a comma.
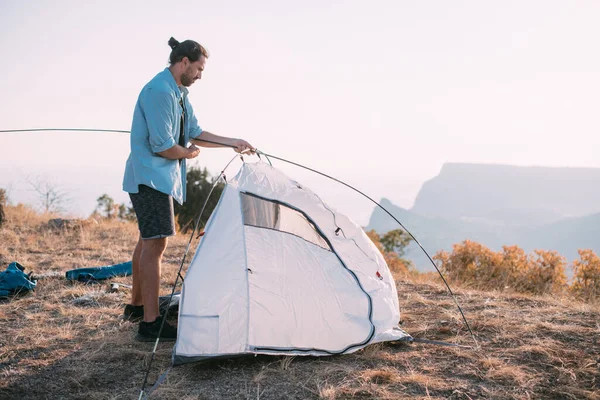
x: 509, y: 194
x: 495, y: 205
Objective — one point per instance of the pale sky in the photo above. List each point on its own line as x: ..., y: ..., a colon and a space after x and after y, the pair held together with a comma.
x: 377, y: 93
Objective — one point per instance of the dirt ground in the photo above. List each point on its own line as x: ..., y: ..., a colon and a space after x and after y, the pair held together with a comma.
x: 54, y: 345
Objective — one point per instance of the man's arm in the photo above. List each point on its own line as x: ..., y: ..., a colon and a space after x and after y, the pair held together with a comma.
x: 239, y: 145
x: 178, y: 152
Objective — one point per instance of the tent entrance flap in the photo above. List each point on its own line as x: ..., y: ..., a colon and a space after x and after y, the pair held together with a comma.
x: 295, y: 284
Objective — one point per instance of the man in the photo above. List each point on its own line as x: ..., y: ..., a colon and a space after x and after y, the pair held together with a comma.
x: 155, y: 174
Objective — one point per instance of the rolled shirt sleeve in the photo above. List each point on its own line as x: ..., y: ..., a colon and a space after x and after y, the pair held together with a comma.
x: 160, y: 119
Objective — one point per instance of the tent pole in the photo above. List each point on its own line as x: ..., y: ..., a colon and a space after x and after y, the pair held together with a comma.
x: 290, y: 162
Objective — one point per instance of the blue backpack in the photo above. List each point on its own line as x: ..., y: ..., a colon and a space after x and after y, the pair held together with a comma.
x: 14, y: 281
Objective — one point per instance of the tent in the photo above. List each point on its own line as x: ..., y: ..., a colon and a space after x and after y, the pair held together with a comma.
x: 280, y: 272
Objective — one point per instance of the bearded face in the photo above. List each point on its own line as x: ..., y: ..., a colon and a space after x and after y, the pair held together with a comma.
x: 193, y: 72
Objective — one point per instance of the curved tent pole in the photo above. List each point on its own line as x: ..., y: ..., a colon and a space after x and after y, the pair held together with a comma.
x: 258, y: 152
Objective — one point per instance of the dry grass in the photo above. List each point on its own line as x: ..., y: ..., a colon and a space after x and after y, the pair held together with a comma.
x: 53, y: 346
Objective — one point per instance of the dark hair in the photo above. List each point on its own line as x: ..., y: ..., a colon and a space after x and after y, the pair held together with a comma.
x: 188, y: 48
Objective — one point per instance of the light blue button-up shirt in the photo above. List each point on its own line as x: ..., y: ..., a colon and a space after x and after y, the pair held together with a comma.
x: 155, y: 128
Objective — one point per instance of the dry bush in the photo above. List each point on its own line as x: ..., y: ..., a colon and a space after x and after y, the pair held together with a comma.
x: 546, y: 273
x: 473, y: 265
x: 586, y: 281
x: 22, y: 217
x: 512, y: 269
x: 470, y: 264
x: 396, y: 265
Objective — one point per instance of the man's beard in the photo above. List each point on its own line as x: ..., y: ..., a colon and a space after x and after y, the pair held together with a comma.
x: 186, y: 80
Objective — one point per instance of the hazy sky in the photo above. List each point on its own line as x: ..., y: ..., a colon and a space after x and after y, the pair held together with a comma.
x: 377, y: 93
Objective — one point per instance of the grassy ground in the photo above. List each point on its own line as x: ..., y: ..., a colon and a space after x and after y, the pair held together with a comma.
x: 54, y: 346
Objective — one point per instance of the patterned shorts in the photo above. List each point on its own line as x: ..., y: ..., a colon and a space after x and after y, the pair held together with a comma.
x: 154, y: 211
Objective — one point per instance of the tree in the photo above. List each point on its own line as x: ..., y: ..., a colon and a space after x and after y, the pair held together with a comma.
x: 126, y: 213
x: 106, y: 207
x: 51, y: 197
x: 396, y: 241
x: 198, y: 187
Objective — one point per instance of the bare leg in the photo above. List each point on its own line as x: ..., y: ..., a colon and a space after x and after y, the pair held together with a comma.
x: 136, y: 289
x: 152, y: 251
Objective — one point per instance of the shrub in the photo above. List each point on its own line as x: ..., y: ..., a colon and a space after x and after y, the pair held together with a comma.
x: 586, y: 280
x: 473, y: 265
x: 470, y: 264
x: 546, y: 273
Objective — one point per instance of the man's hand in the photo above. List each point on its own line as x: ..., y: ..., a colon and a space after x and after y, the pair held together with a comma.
x: 178, y: 152
x: 208, y: 139
x: 242, y: 146
x: 193, y: 152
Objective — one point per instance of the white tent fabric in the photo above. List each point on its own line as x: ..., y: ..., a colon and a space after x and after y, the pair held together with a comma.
x: 280, y: 272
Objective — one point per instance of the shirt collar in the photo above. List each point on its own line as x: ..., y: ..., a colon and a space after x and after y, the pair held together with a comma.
x: 168, y: 76
x: 184, y: 90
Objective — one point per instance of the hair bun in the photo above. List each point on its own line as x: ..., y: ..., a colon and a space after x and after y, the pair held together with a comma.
x: 173, y: 43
